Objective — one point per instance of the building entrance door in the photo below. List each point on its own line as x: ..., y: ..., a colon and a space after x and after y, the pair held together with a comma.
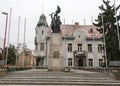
x: 80, y: 62
x: 39, y: 62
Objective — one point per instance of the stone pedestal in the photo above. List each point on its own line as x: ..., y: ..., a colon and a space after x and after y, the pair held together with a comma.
x: 56, y: 59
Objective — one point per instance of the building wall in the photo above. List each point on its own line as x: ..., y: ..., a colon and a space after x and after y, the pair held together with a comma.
x: 79, y: 38
x: 41, y: 34
x: 28, y: 59
x: 95, y: 55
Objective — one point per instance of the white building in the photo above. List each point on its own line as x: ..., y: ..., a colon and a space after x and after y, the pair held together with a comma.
x: 81, y: 45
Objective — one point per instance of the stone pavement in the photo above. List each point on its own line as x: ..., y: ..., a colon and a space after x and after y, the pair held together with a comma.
x: 41, y: 77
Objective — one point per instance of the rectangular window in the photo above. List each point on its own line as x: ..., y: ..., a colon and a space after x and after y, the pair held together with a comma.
x: 100, y: 62
x: 69, y: 47
x: 99, y: 48
x: 36, y: 47
x: 89, y: 47
x: 69, y: 61
x: 79, y: 47
x: 42, y: 46
x: 90, y: 62
x: 42, y: 32
x: 36, y: 32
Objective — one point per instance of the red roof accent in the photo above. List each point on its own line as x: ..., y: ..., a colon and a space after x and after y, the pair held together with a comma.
x: 70, y: 29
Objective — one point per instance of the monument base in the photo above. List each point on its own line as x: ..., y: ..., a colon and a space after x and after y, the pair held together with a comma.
x: 56, y: 59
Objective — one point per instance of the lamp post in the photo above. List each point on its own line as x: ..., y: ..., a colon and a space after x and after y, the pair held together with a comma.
x: 95, y: 57
x: 3, y: 51
x: 8, y: 36
x: 104, y: 43
x: 93, y: 47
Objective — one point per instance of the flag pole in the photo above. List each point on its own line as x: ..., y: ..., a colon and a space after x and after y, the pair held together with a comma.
x: 24, y: 43
x: 117, y: 25
x: 17, y: 40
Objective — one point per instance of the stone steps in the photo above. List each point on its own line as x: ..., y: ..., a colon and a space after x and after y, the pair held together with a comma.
x: 58, y: 80
x: 61, y: 83
x: 37, y: 77
x: 73, y: 78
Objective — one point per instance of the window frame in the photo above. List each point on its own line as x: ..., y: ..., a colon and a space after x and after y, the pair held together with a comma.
x: 69, y: 47
x: 90, y: 48
x: 36, y: 47
x: 99, y: 48
x: 42, y: 32
x: 79, y: 47
x: 42, y: 46
x: 70, y: 63
x: 90, y: 62
x: 100, y: 62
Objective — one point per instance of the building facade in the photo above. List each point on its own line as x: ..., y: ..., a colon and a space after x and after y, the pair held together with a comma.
x: 26, y: 57
x: 81, y: 44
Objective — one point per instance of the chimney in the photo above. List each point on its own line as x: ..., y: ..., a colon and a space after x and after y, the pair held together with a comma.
x: 76, y: 23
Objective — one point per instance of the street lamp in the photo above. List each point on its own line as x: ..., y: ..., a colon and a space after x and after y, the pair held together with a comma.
x: 8, y: 36
x: 104, y: 43
x: 3, y: 51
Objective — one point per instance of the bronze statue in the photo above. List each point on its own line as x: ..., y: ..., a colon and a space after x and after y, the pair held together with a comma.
x: 55, y: 23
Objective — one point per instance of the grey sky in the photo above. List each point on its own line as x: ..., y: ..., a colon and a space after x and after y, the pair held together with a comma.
x: 71, y: 10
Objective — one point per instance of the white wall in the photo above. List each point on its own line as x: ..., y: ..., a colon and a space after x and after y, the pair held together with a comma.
x: 41, y: 38
x: 80, y: 38
x: 95, y: 55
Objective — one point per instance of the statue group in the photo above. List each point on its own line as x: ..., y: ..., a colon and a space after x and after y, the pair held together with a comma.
x: 55, y: 23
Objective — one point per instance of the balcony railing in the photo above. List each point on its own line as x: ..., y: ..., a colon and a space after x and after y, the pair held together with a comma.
x: 39, y: 53
x: 76, y: 53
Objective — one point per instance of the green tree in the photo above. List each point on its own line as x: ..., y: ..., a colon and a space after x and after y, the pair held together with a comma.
x: 11, y: 55
x: 110, y: 28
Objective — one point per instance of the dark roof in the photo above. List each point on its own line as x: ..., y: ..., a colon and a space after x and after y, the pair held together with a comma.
x: 42, y: 21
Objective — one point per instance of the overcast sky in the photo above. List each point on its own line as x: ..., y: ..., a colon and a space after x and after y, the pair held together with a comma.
x: 71, y: 10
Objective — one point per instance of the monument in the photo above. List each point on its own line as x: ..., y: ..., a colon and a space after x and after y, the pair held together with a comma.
x: 56, y: 59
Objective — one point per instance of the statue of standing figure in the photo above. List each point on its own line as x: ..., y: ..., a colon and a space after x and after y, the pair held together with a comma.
x: 55, y: 23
